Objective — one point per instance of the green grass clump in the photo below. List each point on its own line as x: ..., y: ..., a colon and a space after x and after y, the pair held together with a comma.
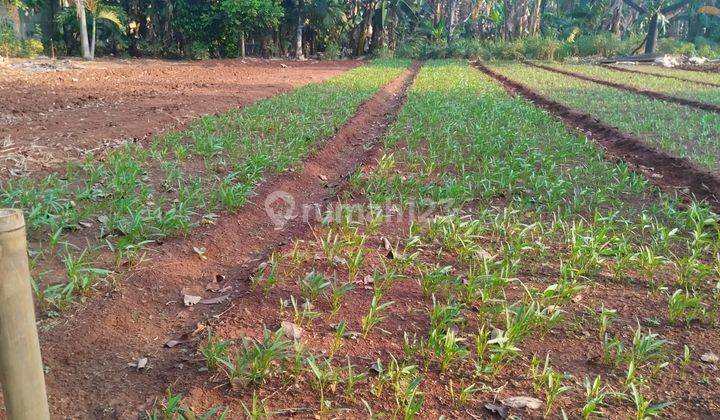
x: 674, y: 87
x: 680, y: 130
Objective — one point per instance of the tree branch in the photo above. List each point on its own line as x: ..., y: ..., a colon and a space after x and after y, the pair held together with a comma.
x: 674, y: 7
x: 636, y: 6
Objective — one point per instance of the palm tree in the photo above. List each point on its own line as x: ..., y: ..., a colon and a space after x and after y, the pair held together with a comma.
x: 80, y: 10
x: 101, y: 11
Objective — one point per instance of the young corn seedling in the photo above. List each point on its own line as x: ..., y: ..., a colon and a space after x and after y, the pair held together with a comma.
x: 685, y: 362
x: 594, y: 398
x: 613, y: 351
x: 648, y: 263
x: 502, y: 351
x: 405, y: 382
x: 257, y: 409
x: 375, y: 313
x: 303, y: 313
x: 324, y: 378
x: 451, y: 352
x: 337, y: 342
x: 267, y: 274
x: 172, y: 409
x: 646, y: 347
x: 604, y: 319
x: 553, y: 389
x: 691, y: 272
x: 352, y: 378
x: 214, y: 351
x: 338, y: 293
x: 644, y: 409
x: 355, y: 260
x: 255, y: 362
x: 314, y: 285
x: 80, y: 273
x: 462, y: 396
x: 685, y: 307
x: 434, y: 280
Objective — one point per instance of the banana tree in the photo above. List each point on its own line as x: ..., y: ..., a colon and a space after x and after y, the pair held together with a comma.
x: 658, y: 14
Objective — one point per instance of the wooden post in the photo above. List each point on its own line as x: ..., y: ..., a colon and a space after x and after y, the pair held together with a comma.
x: 21, y: 368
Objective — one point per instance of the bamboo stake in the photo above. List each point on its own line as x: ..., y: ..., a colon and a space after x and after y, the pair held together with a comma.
x: 21, y: 369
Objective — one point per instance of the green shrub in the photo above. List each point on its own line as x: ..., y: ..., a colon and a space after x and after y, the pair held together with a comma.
x: 10, y: 44
x: 199, y: 51
x: 33, y: 47
x: 466, y: 48
x: 333, y: 51
x: 676, y: 47
x: 502, y: 49
x: 540, y: 48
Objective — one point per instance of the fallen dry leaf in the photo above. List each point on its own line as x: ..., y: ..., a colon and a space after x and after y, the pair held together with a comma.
x: 291, y: 330
x: 215, y: 300
x: 709, y: 358
x: 190, y: 300
x: 497, y: 409
x: 523, y: 402
x: 139, y: 364
x: 200, y: 252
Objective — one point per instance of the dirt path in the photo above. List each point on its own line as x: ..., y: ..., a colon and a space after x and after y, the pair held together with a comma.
x: 135, y: 320
x: 667, y: 172
x: 665, y: 76
x: 49, y: 115
x: 650, y: 94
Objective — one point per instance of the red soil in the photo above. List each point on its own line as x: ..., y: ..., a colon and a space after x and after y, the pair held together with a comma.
x: 87, y: 352
x: 47, y: 117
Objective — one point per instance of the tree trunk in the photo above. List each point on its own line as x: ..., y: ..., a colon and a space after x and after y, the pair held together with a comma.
x: 616, y: 20
x: 80, y: 8
x: 94, y: 38
x: 299, y: 34
x: 535, y: 18
x: 242, y: 44
x: 451, y: 5
x: 14, y: 14
x: 652, y: 34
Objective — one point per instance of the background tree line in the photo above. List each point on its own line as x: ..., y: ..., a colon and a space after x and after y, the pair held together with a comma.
x: 201, y: 29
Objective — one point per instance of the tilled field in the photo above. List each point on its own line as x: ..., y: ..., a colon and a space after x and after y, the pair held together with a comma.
x: 52, y: 112
x: 404, y: 240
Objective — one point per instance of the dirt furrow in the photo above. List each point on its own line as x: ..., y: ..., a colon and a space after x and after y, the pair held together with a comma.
x: 648, y: 93
x: 136, y: 320
x: 665, y: 76
x: 666, y: 171
x: 704, y: 68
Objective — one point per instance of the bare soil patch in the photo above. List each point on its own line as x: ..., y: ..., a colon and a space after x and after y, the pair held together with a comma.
x: 665, y: 171
x: 145, y: 310
x: 650, y: 94
x: 54, y: 112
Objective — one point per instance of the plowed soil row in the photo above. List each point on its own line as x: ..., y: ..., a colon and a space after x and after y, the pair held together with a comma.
x: 665, y: 76
x: 666, y: 171
x: 138, y: 317
x: 650, y: 94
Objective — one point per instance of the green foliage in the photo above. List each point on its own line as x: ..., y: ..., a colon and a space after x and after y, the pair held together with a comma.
x: 10, y: 43
x: 199, y: 51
